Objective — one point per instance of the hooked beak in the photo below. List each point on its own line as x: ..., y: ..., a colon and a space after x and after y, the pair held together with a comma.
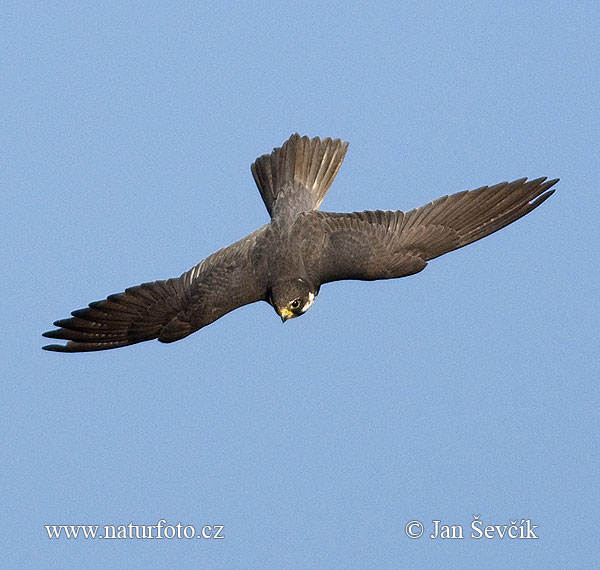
x: 285, y: 314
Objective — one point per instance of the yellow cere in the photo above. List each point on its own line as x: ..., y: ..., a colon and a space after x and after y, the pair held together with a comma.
x: 286, y: 313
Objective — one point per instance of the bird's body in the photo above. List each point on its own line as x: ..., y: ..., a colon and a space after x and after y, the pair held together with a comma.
x: 286, y: 261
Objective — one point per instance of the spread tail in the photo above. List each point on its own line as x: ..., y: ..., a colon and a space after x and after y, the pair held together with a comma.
x: 299, y: 173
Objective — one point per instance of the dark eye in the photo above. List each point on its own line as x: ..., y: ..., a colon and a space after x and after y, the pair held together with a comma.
x: 295, y: 304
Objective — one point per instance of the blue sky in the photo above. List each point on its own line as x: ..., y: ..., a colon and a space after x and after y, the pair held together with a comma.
x: 128, y: 129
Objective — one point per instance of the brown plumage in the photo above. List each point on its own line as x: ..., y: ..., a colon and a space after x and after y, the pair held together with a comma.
x: 286, y: 261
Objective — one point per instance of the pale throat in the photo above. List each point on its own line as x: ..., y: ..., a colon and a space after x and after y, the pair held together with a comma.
x: 311, y: 300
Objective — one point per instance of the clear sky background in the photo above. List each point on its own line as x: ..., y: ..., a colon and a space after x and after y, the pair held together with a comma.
x: 128, y: 129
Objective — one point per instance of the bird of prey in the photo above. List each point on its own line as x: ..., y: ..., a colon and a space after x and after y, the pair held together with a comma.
x: 286, y: 261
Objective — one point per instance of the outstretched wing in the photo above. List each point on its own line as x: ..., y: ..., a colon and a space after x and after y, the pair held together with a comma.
x: 385, y: 244
x: 172, y: 309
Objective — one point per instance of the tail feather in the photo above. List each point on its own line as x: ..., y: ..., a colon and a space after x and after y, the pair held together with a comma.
x: 307, y: 165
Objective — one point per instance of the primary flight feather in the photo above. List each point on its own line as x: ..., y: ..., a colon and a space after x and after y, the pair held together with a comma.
x: 286, y: 261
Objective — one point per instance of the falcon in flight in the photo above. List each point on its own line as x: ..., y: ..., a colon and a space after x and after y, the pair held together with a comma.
x: 286, y: 261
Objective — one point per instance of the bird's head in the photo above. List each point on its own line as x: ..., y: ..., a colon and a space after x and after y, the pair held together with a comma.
x: 292, y: 298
